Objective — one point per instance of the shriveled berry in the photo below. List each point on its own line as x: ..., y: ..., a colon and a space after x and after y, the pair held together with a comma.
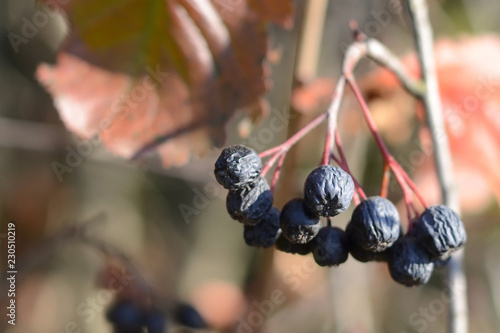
x: 298, y: 223
x: 125, y: 316
x: 284, y: 245
x: 237, y: 166
x: 264, y: 233
x: 330, y: 247
x: 328, y: 190
x: 440, y: 231
x: 375, y: 224
x: 360, y: 254
x: 408, y: 263
x: 155, y: 321
x: 188, y: 316
x: 250, y: 204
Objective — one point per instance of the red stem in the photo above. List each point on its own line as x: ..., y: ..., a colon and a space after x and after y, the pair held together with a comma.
x: 338, y: 144
x: 404, y: 181
x: 369, y: 119
x: 283, y: 148
x: 385, y: 180
x: 277, y: 172
x: 269, y: 152
x: 346, y: 169
x: 327, y: 149
x: 410, y: 183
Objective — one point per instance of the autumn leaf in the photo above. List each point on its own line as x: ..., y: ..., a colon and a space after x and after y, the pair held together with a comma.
x: 469, y: 80
x: 161, y: 76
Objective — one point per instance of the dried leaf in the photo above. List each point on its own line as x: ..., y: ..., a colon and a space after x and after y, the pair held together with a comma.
x: 160, y: 75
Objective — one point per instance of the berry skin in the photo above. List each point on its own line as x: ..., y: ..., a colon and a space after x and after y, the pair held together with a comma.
x: 408, y: 263
x: 360, y: 254
x: 250, y: 204
x: 188, y: 316
x: 284, y: 245
x: 298, y: 224
x: 237, y: 166
x: 375, y: 224
x: 155, y: 322
x: 330, y: 247
x: 125, y: 316
x: 328, y: 190
x: 440, y: 231
x: 264, y: 233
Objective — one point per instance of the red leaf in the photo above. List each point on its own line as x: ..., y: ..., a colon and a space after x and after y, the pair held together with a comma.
x: 160, y: 75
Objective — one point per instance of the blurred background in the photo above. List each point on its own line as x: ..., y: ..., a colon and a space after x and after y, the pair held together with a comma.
x: 107, y: 229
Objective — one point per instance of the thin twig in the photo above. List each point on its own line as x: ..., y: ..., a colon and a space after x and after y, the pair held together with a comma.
x: 458, y: 317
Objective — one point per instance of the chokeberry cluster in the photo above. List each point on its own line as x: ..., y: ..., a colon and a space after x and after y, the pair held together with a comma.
x: 373, y: 234
x: 127, y: 316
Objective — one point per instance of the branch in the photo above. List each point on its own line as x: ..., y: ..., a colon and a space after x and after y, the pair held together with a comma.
x: 458, y: 318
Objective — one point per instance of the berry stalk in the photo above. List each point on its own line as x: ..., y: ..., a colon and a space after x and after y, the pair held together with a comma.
x: 402, y: 178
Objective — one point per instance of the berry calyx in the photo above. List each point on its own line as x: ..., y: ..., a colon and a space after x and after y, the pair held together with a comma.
x: 328, y: 190
x: 237, y: 166
x: 298, y: 224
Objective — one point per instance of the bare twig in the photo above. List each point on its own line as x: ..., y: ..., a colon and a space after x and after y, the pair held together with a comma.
x: 458, y: 320
x: 381, y: 55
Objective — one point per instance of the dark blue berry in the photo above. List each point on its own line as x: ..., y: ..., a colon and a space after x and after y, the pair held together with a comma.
x: 359, y: 253
x: 250, y: 205
x: 375, y: 224
x: 298, y: 223
x: 155, y: 322
x: 126, y: 316
x: 237, y: 166
x: 188, y: 316
x: 328, y: 190
x: 264, y: 233
x: 330, y: 247
x: 284, y: 245
x: 408, y: 263
x: 440, y: 231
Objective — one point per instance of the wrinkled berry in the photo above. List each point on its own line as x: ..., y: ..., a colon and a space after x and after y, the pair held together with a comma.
x: 264, y: 233
x: 250, y: 204
x: 360, y: 254
x: 408, y: 263
x: 298, y: 224
x: 328, y: 190
x: 188, y: 316
x: 375, y: 224
x: 237, y: 166
x: 330, y: 247
x: 440, y: 231
x: 284, y: 245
